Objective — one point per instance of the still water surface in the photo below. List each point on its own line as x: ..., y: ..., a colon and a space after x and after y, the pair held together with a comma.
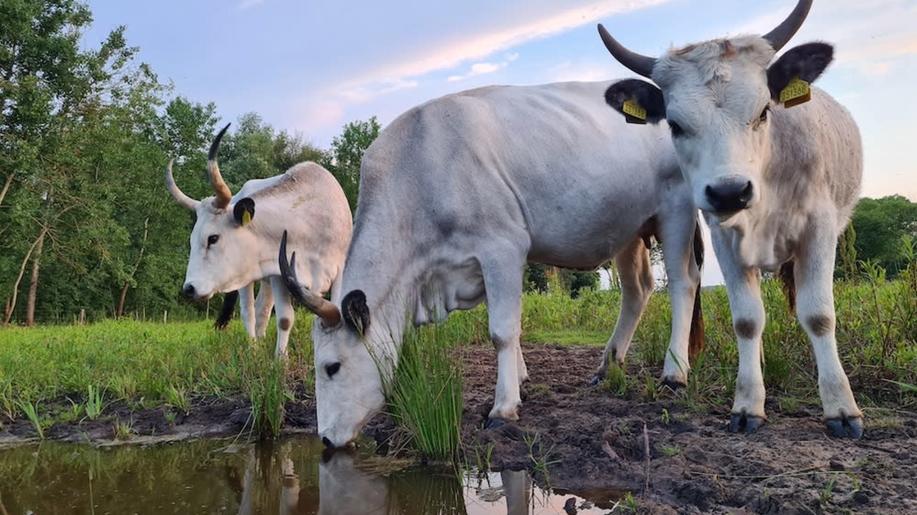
x: 284, y: 477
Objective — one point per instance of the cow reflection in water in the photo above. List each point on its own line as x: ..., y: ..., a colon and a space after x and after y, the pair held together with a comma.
x: 274, y: 481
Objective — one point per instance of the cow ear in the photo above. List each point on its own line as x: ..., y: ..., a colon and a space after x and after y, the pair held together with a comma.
x: 355, y: 311
x: 804, y: 62
x: 639, y: 101
x: 244, y: 211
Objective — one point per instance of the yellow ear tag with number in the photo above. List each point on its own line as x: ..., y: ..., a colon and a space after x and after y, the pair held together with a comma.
x: 246, y: 218
x: 795, y: 93
x: 633, y: 112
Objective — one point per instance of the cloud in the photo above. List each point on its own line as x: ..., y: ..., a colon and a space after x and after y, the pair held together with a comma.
x: 484, y: 68
x: 569, y: 71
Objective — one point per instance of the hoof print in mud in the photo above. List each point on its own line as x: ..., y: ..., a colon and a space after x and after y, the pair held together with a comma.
x: 845, y: 427
x: 744, y: 423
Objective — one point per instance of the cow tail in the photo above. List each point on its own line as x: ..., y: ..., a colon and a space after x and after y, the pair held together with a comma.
x: 696, y: 334
x: 227, y: 310
x: 788, y: 282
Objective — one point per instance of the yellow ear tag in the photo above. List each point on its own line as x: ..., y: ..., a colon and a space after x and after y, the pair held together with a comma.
x: 795, y: 93
x: 634, y: 112
x: 246, y: 218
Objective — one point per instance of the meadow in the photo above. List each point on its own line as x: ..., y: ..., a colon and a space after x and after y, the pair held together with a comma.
x: 67, y: 374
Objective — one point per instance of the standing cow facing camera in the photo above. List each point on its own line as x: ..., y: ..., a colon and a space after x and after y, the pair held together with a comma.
x: 775, y: 166
x: 235, y: 238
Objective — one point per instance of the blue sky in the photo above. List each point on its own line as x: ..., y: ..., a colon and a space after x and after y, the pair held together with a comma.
x: 309, y: 67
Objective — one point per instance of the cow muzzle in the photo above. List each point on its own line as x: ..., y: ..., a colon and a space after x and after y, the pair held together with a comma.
x: 729, y: 195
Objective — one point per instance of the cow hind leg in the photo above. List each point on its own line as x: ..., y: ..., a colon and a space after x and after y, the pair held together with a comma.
x: 636, y: 276
x: 503, y: 287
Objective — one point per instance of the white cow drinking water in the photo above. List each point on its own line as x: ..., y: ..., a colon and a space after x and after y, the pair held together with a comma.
x: 235, y: 238
x: 456, y: 195
x: 776, y: 168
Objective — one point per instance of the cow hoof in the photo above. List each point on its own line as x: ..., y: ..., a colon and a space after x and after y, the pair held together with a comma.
x: 596, y: 379
x: 495, y: 423
x: 673, y: 384
x: 742, y: 422
x: 845, y: 427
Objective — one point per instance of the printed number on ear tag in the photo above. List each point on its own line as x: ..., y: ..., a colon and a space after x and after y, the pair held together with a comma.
x: 795, y: 93
x: 634, y: 112
x: 246, y: 218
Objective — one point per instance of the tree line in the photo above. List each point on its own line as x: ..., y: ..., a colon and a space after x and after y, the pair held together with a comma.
x: 86, y: 224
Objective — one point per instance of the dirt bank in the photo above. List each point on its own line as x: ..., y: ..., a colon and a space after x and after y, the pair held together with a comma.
x: 590, y: 440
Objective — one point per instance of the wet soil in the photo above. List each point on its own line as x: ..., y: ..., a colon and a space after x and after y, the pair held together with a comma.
x: 582, y: 438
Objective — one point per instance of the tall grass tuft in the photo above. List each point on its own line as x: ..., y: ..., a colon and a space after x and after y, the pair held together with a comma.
x: 425, y: 393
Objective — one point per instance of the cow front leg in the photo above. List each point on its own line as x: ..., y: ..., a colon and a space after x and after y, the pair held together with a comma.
x: 284, y: 309
x: 636, y: 276
x: 246, y: 308
x: 677, y: 234
x: 264, y: 304
x: 814, y: 272
x: 503, y: 287
x: 744, y: 291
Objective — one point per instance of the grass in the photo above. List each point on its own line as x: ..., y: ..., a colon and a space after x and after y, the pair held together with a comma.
x: 167, y: 365
x: 425, y: 394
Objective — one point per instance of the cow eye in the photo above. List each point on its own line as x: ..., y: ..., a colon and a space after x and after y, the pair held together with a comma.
x: 332, y: 369
x: 763, y: 117
x: 676, y: 129
x: 213, y: 239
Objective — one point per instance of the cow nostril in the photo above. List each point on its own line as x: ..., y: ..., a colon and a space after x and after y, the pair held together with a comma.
x: 327, y: 442
x: 746, y: 193
x: 188, y: 290
x: 729, y: 196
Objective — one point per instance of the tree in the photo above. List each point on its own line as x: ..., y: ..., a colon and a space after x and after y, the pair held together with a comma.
x: 880, y: 225
x: 347, y: 153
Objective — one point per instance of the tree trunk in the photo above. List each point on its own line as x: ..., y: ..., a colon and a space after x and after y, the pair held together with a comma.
x: 11, y: 301
x: 6, y: 186
x: 33, y: 282
x: 120, y: 311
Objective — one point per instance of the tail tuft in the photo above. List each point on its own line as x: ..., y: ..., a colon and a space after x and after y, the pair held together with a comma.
x: 227, y: 310
x: 696, y: 335
x: 788, y: 281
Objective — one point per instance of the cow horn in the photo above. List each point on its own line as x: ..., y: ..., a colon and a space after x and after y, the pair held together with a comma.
x: 637, y: 63
x: 781, y: 35
x: 327, y: 311
x: 182, y: 199
x: 222, y: 191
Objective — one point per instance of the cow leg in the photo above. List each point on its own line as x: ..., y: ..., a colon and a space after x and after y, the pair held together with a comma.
x: 677, y: 235
x: 284, y: 309
x: 246, y: 307
x: 636, y: 275
x: 748, y: 318
x: 814, y: 271
x: 264, y: 304
x: 503, y: 287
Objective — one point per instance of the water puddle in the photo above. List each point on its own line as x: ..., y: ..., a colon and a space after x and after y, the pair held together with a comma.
x: 285, y: 477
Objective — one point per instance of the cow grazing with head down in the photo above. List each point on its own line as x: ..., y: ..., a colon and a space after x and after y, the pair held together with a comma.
x: 456, y: 195
x: 235, y: 238
x: 776, y: 168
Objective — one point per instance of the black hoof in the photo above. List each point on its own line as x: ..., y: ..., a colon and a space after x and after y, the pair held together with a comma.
x: 741, y: 422
x: 672, y: 384
x: 596, y: 379
x: 845, y: 427
x: 495, y: 423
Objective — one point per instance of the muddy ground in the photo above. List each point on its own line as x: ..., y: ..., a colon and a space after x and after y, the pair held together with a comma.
x: 592, y: 442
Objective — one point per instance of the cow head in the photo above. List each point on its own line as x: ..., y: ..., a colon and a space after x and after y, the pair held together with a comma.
x: 352, y: 353
x: 717, y: 97
x: 222, y: 238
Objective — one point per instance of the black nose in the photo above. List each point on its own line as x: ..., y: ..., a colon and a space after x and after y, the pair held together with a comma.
x: 188, y: 291
x: 729, y: 196
x: 327, y: 442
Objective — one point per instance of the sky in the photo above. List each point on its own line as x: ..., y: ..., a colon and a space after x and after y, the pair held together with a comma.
x: 309, y: 67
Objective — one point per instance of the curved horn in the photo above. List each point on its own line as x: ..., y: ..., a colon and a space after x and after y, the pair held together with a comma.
x: 327, y: 311
x: 781, y: 35
x: 637, y: 63
x: 182, y: 199
x: 222, y: 191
